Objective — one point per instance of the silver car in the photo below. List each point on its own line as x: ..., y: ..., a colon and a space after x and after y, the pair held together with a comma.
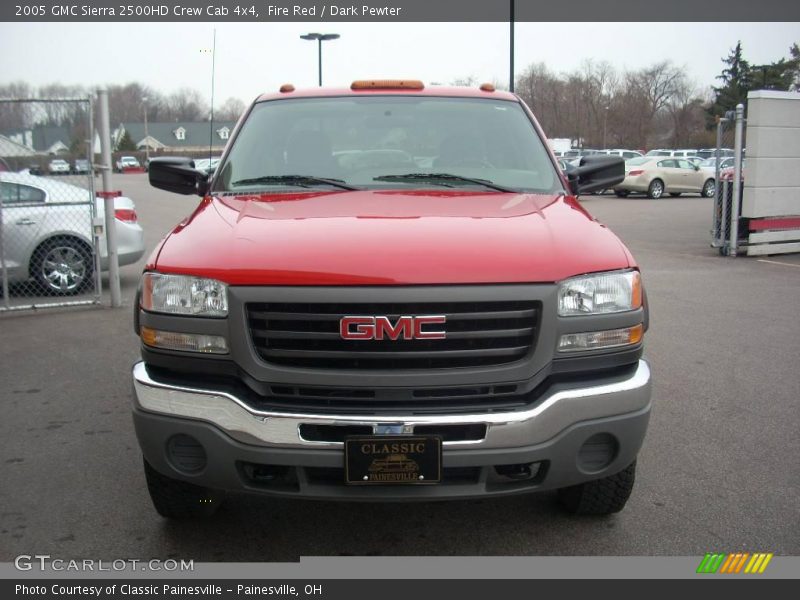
x: 47, y: 233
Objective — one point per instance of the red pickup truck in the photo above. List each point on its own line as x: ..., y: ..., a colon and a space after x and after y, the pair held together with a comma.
x: 390, y: 270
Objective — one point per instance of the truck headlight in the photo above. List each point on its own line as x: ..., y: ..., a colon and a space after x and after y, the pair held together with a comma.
x: 184, y: 295
x: 601, y: 293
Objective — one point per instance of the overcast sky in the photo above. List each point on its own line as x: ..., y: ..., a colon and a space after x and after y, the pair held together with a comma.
x: 256, y: 57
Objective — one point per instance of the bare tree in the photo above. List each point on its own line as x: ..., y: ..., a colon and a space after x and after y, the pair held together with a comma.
x: 230, y: 110
x: 187, y: 105
x: 16, y: 115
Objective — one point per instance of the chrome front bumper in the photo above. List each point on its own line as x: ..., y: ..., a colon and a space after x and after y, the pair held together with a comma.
x: 552, y: 414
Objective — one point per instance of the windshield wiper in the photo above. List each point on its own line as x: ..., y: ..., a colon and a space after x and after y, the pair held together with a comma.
x: 301, y: 180
x: 444, y: 178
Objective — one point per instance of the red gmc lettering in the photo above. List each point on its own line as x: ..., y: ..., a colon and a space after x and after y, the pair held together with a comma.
x: 429, y: 335
x: 380, y: 328
x: 364, y: 330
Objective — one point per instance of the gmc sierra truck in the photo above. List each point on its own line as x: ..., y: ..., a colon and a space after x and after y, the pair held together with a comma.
x: 389, y: 292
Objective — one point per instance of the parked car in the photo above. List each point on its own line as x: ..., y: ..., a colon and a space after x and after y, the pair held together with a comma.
x: 657, y: 176
x: 712, y: 152
x: 81, y: 166
x: 625, y: 154
x: 47, y: 232
x: 127, y: 162
x: 58, y: 166
x: 671, y: 153
x: 206, y: 164
x: 709, y: 165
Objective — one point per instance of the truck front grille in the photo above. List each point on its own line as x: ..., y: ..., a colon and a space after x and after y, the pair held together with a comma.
x: 477, y: 334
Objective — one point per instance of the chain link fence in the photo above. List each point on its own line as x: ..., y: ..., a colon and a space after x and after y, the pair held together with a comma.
x: 49, y: 246
x: 726, y: 212
x: 722, y: 194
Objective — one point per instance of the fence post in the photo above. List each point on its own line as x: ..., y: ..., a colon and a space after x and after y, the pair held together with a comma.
x: 108, y: 200
x: 720, y: 212
x: 4, y: 274
x: 737, y: 178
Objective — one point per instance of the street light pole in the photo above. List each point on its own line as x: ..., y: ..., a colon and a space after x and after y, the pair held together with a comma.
x: 320, y: 37
x: 146, y: 135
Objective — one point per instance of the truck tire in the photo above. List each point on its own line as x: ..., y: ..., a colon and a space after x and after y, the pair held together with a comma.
x: 175, y: 499
x: 601, y: 496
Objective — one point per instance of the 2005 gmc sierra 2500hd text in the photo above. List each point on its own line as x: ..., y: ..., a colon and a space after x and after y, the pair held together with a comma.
x: 390, y: 292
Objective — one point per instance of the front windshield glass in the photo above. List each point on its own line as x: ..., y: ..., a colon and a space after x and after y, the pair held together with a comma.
x: 358, y: 141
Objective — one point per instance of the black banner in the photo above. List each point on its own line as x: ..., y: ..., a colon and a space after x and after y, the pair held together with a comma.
x: 397, y: 11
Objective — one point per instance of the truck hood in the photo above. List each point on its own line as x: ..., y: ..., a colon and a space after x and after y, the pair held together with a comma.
x: 389, y: 238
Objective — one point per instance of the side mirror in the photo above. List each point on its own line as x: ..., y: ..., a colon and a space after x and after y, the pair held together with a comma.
x: 596, y: 172
x: 177, y: 174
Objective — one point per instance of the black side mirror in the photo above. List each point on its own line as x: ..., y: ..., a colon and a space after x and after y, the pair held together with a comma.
x: 177, y: 174
x: 597, y: 172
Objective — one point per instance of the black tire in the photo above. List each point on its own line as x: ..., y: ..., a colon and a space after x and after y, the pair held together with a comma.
x: 621, y: 193
x: 656, y: 189
x: 601, y: 496
x: 175, y: 499
x: 709, y: 188
x: 675, y: 194
x: 62, y: 266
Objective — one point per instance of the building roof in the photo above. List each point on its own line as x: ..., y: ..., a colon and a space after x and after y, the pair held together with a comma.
x: 11, y: 148
x: 194, y: 133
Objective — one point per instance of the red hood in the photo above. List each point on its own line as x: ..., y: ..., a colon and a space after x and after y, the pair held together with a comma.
x: 388, y: 238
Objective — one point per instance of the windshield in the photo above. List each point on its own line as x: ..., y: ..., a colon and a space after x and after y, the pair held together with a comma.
x: 367, y: 142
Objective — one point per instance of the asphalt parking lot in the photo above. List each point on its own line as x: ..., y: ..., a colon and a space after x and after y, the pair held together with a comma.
x: 719, y: 470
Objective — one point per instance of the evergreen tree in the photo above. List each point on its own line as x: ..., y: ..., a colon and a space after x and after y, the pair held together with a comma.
x: 736, y: 80
x: 126, y: 143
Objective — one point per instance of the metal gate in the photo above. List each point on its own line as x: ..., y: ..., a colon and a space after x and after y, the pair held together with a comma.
x: 49, y: 242
x: 728, y: 182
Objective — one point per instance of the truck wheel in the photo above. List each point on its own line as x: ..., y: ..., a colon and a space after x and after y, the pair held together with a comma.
x: 599, y: 497
x: 656, y: 189
x: 175, y: 499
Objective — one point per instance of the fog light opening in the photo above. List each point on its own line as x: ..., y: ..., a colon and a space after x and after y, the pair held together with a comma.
x: 597, y: 453
x: 186, y: 454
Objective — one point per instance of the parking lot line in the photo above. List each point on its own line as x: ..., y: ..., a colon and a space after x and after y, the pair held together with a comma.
x: 777, y: 262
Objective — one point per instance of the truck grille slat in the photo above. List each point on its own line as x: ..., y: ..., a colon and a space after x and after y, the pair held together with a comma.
x: 331, y: 335
x: 307, y: 335
x: 519, y: 350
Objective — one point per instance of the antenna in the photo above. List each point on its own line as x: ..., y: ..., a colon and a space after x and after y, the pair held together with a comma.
x: 211, y: 121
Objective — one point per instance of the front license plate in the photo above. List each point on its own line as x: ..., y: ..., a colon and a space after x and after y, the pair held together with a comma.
x: 392, y: 460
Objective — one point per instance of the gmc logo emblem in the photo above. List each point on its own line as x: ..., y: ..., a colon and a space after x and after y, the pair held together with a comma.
x: 381, y: 328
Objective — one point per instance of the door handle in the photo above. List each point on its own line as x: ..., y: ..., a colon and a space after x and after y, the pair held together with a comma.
x: 26, y: 222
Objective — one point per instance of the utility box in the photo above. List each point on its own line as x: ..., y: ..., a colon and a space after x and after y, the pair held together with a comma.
x: 771, y: 198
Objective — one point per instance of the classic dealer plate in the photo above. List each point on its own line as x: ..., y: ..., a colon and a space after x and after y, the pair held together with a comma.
x: 393, y: 459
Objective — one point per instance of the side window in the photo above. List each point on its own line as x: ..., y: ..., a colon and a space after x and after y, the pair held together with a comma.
x: 684, y: 164
x: 13, y: 193
x: 669, y: 164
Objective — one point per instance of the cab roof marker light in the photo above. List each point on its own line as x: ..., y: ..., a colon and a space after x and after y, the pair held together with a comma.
x: 487, y: 87
x: 286, y: 88
x: 387, y: 84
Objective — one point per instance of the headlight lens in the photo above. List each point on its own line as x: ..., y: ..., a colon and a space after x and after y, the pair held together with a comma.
x: 601, y: 293
x: 184, y: 295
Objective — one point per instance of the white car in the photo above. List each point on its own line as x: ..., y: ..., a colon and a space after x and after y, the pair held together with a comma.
x: 127, y: 162
x: 625, y: 154
x: 47, y: 233
x: 58, y: 166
